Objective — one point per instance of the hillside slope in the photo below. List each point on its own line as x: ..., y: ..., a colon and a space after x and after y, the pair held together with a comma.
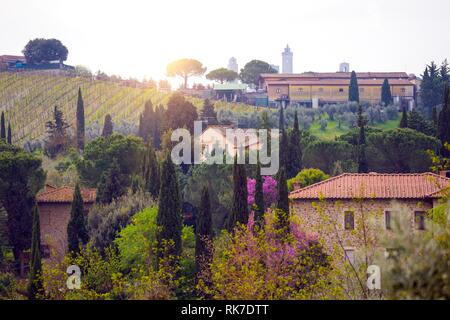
x: 28, y: 99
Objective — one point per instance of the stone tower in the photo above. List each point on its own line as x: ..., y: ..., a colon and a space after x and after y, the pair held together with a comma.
x: 232, y: 65
x: 287, y: 63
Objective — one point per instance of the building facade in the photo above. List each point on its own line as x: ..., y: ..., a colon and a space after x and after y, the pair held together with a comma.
x: 341, y: 208
x: 304, y: 88
x: 54, y: 212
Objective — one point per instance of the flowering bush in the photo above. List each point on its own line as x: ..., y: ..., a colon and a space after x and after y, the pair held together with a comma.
x: 269, y: 191
x: 258, y: 265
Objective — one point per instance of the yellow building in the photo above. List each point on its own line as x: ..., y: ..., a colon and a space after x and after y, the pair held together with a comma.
x: 305, y: 88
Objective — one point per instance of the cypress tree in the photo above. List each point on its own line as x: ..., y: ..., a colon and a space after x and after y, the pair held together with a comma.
x: 284, y: 142
x: 362, y: 159
x: 386, y: 95
x: 435, y: 117
x: 151, y: 171
x: 295, y: 150
x: 259, y: 198
x: 4, y: 239
x: 203, y: 234
x: 353, y: 92
x: 35, y: 287
x: 108, y: 126
x: 169, y: 218
x: 444, y: 122
x: 146, y: 121
x: 404, y: 119
x: 282, y: 211
x: 80, y: 121
x: 77, y: 233
x: 2, y: 127
x: 208, y: 114
x: 111, y: 185
x: 239, y: 213
x: 9, y: 137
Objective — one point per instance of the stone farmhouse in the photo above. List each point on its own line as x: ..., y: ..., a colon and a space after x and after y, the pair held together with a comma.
x: 54, y: 212
x: 339, y: 209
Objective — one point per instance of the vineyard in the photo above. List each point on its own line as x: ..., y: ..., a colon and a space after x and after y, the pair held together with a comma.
x: 28, y: 99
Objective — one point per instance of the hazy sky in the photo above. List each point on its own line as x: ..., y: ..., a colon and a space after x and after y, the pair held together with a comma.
x: 138, y: 38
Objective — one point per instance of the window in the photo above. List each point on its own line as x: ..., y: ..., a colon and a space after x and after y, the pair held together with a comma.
x: 349, y: 220
x: 403, y: 90
x: 278, y: 90
x: 341, y: 90
x: 361, y: 89
x: 387, y: 220
x: 300, y: 89
x: 419, y: 218
x: 320, y: 89
x: 350, y: 255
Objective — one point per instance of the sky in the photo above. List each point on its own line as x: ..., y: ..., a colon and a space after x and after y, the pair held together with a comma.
x: 138, y: 38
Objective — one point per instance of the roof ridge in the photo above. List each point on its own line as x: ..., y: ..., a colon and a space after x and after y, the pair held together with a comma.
x: 320, y: 182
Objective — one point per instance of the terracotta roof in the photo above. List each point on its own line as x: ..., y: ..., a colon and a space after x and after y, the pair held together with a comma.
x: 343, y: 82
x: 65, y: 195
x: 375, y: 186
x: 337, y: 75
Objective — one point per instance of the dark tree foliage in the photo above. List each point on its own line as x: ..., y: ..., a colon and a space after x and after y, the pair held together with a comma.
x: 45, y: 50
x: 282, y: 211
x: 169, y: 218
x: 108, y: 126
x: 252, y: 71
x: 57, y: 137
x: 432, y: 86
x: 222, y: 75
x: 295, y: 150
x: 363, y: 166
x: 80, y: 121
x: 77, y: 234
x: 259, y: 198
x: 208, y: 114
x: 98, y: 155
x: 4, y: 238
x: 21, y: 177
x: 443, y: 131
x: 151, y: 171
x: 180, y: 113
x: 35, y: 286
x: 111, y: 185
x: 9, y: 136
x: 435, y: 118
x: 324, y: 154
x: 147, y: 121
x: 404, y: 119
x: 386, y: 95
x: 159, y: 126
x: 204, y: 234
x: 353, y: 92
x: 2, y: 127
x: 239, y: 212
x: 416, y: 121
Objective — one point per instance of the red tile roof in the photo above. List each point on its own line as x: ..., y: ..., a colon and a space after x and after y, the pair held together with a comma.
x: 336, y: 75
x: 375, y: 186
x: 339, y: 82
x: 65, y: 195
